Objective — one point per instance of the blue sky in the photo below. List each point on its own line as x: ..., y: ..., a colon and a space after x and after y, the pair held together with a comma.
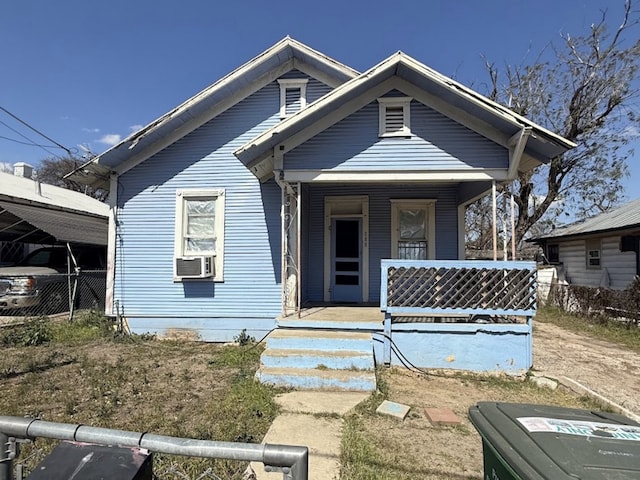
x: 87, y: 73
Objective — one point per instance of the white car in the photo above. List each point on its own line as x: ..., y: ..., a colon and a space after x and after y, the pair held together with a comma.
x: 39, y: 282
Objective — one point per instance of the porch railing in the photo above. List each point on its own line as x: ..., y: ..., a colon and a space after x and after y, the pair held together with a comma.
x: 455, y: 288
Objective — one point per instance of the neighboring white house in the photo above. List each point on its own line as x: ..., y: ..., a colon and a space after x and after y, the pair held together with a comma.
x: 599, y: 252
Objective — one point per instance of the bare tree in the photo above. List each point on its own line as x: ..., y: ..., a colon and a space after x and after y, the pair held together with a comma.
x: 588, y: 92
x: 52, y: 171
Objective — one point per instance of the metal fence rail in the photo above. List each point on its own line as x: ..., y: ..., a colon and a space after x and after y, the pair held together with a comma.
x: 52, y: 294
x: 292, y: 461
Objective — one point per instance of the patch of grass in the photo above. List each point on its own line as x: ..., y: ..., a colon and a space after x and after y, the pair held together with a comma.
x: 86, y: 326
x: 177, y: 388
x: 359, y: 456
x: 236, y: 356
x: 380, y: 447
x: 34, y: 331
x: 622, y: 333
x: 374, y: 400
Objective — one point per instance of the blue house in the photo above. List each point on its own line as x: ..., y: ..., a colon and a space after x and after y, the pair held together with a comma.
x: 270, y: 199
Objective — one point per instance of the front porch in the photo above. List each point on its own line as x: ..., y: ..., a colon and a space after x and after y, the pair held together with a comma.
x: 473, y: 316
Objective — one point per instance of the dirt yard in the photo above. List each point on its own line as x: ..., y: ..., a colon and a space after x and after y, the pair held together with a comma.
x: 415, y: 449
x: 603, y: 367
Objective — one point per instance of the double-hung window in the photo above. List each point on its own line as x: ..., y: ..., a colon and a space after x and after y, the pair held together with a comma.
x: 293, y: 95
x: 593, y: 249
x: 413, y: 229
x: 199, y: 230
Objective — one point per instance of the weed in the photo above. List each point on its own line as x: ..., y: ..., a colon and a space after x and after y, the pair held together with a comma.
x: 359, y: 457
x: 327, y: 415
x: 243, y: 338
x: 34, y: 331
x: 86, y: 325
x: 237, y: 357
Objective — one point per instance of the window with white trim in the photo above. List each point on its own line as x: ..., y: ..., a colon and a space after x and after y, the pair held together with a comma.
x: 593, y: 249
x: 293, y: 95
x: 413, y: 229
x: 394, y: 116
x: 199, y: 229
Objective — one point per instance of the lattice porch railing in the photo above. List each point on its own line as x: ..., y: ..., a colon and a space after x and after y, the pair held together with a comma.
x: 458, y: 287
x: 455, y: 288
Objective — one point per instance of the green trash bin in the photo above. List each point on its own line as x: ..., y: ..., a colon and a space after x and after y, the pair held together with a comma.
x: 539, y: 442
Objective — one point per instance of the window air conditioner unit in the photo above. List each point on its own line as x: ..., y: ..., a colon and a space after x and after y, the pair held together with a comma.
x: 194, y: 267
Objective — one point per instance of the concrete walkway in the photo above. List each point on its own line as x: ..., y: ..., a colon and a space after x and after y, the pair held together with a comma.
x: 312, y: 419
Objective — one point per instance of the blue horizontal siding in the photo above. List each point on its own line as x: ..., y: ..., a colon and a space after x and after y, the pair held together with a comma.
x: 145, y: 243
x: 207, y: 329
x: 379, y: 228
x: 437, y: 143
x: 315, y: 88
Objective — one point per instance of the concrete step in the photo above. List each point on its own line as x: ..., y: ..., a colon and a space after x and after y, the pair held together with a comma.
x: 318, y: 379
x: 303, y: 339
x: 334, y: 360
x: 363, y: 325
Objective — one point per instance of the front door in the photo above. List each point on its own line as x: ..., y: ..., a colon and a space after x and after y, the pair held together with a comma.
x: 346, y: 260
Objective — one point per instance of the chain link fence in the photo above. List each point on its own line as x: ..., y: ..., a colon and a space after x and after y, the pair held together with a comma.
x: 51, y: 294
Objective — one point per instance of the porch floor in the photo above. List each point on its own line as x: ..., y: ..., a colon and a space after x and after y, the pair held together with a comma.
x: 336, y: 313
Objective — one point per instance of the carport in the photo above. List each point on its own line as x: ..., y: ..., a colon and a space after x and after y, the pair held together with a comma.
x: 42, y: 214
x: 45, y: 224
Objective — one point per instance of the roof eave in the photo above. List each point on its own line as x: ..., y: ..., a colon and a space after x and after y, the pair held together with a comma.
x: 259, y: 148
x: 287, y: 50
x: 590, y: 233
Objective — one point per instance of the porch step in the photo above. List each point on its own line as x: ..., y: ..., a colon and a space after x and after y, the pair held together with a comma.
x: 318, y: 379
x: 363, y: 325
x: 336, y: 318
x: 312, y: 339
x: 318, y: 359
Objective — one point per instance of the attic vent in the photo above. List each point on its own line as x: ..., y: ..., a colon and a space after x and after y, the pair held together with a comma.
x: 293, y: 95
x: 395, y: 116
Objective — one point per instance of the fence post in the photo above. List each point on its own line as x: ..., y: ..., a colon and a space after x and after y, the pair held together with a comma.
x: 6, y: 461
x: 387, y: 339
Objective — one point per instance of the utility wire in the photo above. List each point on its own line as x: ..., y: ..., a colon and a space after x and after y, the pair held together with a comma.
x: 36, y: 130
x: 31, y: 142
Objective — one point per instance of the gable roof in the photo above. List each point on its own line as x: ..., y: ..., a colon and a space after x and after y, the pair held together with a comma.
x: 626, y: 217
x: 286, y: 55
x: 41, y: 213
x: 445, y: 95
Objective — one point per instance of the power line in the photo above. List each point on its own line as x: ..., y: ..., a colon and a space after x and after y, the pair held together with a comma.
x: 36, y: 130
x: 31, y: 142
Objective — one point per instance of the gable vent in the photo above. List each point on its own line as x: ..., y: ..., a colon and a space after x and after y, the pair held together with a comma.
x: 293, y: 97
x: 394, y: 119
x: 395, y: 116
